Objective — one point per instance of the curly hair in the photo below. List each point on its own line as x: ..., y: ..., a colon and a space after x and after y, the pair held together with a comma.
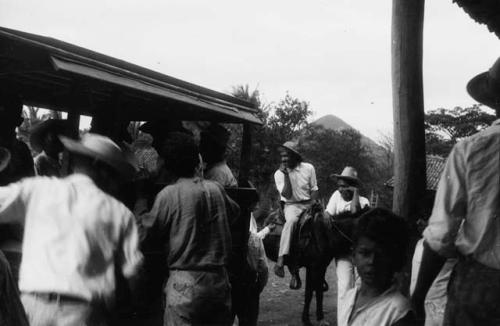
x: 181, y: 154
x: 388, y: 230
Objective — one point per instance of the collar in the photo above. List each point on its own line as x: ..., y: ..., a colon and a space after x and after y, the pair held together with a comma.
x: 81, y: 178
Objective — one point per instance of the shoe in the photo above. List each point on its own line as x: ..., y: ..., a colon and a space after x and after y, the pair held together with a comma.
x: 295, y: 282
x: 279, y: 271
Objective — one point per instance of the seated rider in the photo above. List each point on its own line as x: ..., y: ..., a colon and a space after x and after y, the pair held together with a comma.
x: 380, y: 247
x: 296, y: 183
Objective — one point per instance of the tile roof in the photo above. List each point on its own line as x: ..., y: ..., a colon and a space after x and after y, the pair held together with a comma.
x: 435, y: 166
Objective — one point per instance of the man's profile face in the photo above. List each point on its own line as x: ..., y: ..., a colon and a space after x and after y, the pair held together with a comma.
x: 287, y: 159
x: 344, y: 190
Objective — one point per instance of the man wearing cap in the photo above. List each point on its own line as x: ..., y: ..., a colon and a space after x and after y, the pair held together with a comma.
x: 345, y: 199
x: 77, y: 236
x: 297, y: 185
x: 465, y: 220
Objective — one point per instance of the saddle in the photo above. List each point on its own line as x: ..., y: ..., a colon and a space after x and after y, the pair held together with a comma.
x: 303, y: 246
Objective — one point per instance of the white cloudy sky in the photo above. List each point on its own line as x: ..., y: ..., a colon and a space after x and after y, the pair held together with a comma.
x: 335, y: 54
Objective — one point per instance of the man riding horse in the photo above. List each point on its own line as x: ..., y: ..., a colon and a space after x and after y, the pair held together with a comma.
x: 296, y: 183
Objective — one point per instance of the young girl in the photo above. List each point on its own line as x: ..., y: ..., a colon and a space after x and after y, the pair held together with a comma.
x: 380, y: 246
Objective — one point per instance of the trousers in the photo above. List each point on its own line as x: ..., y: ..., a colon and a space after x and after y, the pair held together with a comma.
x: 292, y: 213
x: 198, y: 298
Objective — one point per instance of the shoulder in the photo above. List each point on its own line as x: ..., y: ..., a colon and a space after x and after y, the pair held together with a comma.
x: 364, y: 201
x: 306, y: 166
x: 397, y: 303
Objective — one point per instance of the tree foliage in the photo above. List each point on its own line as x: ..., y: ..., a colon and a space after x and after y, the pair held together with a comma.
x: 444, y: 127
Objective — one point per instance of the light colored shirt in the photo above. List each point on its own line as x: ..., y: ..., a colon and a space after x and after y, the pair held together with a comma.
x: 75, y: 236
x: 466, y: 212
x: 384, y: 310
x: 222, y: 174
x: 337, y: 204
x: 194, y: 216
x: 302, y: 180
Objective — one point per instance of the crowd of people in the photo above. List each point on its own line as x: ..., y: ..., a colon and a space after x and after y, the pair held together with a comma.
x: 83, y: 241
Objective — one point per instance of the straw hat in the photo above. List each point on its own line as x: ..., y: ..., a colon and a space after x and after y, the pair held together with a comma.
x: 485, y: 87
x: 4, y: 158
x: 101, y: 148
x: 292, y: 146
x: 349, y: 174
x: 38, y: 132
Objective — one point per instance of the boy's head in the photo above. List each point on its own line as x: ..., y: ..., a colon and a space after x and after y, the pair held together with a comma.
x: 380, y: 246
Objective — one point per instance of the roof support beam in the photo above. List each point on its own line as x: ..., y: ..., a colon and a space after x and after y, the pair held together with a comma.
x: 408, y: 108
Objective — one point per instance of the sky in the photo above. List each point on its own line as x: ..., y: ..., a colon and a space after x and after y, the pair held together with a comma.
x: 334, y: 54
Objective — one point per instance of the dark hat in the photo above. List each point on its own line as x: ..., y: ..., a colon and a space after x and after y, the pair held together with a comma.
x: 217, y: 134
x: 349, y: 174
x: 292, y: 146
x: 162, y: 127
x: 39, y: 131
x: 485, y: 87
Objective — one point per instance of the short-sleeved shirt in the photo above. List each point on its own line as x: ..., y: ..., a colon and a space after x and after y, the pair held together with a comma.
x: 194, y: 217
x: 337, y: 204
x: 384, y: 310
x: 466, y: 211
x: 302, y: 180
x: 75, y: 236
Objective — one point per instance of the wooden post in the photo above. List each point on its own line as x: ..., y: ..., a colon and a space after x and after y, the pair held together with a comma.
x: 408, y: 107
x: 246, y: 154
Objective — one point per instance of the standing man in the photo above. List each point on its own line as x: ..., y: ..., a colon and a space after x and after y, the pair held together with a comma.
x: 297, y: 185
x: 76, y: 235
x: 465, y: 220
x: 345, y: 199
x: 44, y: 139
x: 193, y: 216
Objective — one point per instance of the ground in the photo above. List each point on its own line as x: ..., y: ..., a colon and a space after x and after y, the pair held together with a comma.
x: 279, y: 305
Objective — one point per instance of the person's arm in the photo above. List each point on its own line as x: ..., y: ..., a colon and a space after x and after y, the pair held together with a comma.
x: 355, y: 204
x: 12, y: 208
x: 129, y: 257
x: 313, y: 184
x: 430, y: 267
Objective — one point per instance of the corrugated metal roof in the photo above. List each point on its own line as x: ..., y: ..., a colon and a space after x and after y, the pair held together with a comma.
x: 435, y: 166
x: 53, y: 74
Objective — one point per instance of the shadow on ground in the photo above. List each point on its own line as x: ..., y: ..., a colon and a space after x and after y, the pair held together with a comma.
x: 279, y: 305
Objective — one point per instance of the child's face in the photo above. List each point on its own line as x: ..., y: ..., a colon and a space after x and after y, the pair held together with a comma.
x: 373, y: 263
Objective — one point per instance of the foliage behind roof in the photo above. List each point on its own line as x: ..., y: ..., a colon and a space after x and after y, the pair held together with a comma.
x: 435, y: 166
x: 57, y: 75
x: 484, y: 12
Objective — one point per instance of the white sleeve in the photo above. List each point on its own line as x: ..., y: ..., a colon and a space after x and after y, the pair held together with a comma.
x: 313, y: 181
x: 331, y: 207
x: 130, y: 256
x: 279, y: 180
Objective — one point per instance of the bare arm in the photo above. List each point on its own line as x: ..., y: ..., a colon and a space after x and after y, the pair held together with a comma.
x: 355, y: 205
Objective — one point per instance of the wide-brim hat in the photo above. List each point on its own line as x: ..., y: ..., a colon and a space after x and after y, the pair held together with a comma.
x: 4, y: 158
x: 348, y: 174
x: 39, y: 131
x: 485, y: 87
x: 103, y: 149
x: 162, y: 126
x: 292, y: 146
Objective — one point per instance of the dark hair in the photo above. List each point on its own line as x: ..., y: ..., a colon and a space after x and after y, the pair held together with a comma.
x: 180, y: 153
x: 387, y: 230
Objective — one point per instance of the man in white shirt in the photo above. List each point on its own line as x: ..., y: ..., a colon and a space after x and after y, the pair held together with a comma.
x: 297, y: 185
x: 345, y: 199
x: 76, y: 235
x: 465, y: 220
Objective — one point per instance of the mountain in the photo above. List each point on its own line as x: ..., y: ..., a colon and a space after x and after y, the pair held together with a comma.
x: 333, y: 122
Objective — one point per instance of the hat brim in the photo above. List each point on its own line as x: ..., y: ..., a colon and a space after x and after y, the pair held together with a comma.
x: 346, y: 178
x: 123, y: 167
x: 480, y: 89
x: 290, y: 149
x: 43, y: 128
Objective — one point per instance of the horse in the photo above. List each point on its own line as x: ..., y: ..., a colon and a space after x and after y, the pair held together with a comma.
x: 321, y: 239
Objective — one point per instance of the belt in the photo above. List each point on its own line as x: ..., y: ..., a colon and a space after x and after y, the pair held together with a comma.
x: 52, y: 296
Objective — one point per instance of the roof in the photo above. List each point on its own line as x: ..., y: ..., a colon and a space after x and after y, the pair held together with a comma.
x: 435, y: 166
x: 484, y: 12
x: 57, y: 75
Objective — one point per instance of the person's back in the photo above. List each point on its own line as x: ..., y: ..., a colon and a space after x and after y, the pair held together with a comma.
x: 193, y: 216
x: 73, y: 229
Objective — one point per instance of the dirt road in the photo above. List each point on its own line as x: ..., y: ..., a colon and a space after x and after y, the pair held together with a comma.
x: 279, y: 305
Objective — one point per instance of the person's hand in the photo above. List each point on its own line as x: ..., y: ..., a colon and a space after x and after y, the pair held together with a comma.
x: 352, y: 188
x: 283, y: 168
x: 271, y: 226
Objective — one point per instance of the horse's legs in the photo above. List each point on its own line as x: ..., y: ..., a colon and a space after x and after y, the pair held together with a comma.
x: 318, y: 287
x: 308, y: 297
